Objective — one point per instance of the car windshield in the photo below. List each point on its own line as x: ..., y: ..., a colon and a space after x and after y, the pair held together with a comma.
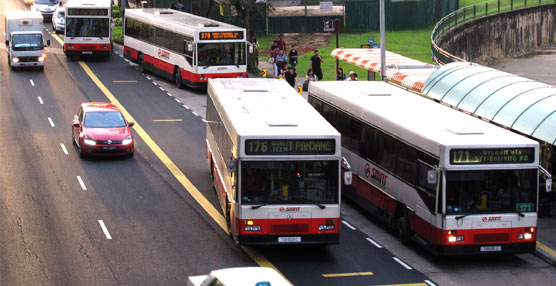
x: 27, y: 42
x: 289, y: 182
x: 87, y: 27
x: 221, y: 54
x: 491, y: 191
x: 46, y: 2
x: 108, y: 119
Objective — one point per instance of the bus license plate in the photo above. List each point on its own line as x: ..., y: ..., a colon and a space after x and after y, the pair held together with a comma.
x: 491, y: 248
x: 87, y: 52
x: 289, y: 239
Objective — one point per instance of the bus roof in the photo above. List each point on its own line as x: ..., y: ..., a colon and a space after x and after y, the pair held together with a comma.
x: 163, y: 17
x: 413, y: 118
x: 88, y: 4
x: 266, y: 108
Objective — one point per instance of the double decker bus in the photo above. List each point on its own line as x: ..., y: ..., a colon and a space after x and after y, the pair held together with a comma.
x: 449, y: 181
x: 88, y: 27
x: 274, y: 162
x: 184, y: 48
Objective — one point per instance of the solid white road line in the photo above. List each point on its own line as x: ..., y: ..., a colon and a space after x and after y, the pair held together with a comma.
x: 402, y: 263
x: 202, y: 119
x: 374, y: 242
x: 51, y: 122
x: 177, y: 100
x: 64, y: 148
x: 40, y: 100
x: 186, y: 107
x: 430, y: 283
x: 169, y: 94
x: 348, y: 225
x: 154, y: 82
x: 104, y: 229
x: 161, y: 88
x: 81, y: 183
x: 195, y: 113
x: 32, y: 82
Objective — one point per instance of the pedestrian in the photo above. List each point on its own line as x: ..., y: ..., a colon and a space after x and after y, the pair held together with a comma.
x: 280, y: 60
x: 281, y: 42
x: 283, y: 71
x: 173, y: 6
x: 292, y: 57
x: 309, y: 78
x: 291, y: 76
x: 352, y: 76
x: 180, y: 6
x: 340, y: 75
x: 315, y: 64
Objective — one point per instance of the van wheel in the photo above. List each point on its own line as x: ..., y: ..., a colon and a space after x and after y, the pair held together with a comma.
x: 177, y: 77
x: 404, y: 232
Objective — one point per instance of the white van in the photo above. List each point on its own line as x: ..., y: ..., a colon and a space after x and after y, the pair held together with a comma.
x: 24, y: 39
x: 45, y: 7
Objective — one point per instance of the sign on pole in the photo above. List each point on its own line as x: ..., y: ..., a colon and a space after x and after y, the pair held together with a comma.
x: 328, y: 26
x: 371, y: 40
x: 263, y: 72
x: 326, y: 6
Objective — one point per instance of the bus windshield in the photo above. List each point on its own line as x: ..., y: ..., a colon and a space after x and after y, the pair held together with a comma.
x: 289, y: 182
x: 26, y: 42
x: 491, y: 191
x: 87, y: 27
x: 221, y: 54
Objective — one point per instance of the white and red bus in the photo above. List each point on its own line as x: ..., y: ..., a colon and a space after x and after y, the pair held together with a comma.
x: 88, y: 27
x: 451, y: 182
x: 184, y: 48
x: 275, y: 163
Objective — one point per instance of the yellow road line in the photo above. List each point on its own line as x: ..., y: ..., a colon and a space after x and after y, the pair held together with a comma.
x: 124, y: 81
x: 178, y: 174
x: 347, y: 274
x: 546, y: 249
x: 57, y: 39
x: 167, y: 120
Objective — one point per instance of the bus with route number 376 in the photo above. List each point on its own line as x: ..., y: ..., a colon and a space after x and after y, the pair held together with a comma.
x: 274, y: 162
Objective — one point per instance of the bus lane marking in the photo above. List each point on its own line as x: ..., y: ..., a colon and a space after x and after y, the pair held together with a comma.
x: 104, y: 229
x: 402, y: 263
x: 347, y: 274
x: 64, y: 148
x: 348, y: 225
x: 32, y: 82
x: 373, y: 242
x: 430, y: 283
x: 81, y: 183
x: 175, y: 171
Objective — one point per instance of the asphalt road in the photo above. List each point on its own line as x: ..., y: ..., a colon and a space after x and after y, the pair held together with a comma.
x: 71, y: 221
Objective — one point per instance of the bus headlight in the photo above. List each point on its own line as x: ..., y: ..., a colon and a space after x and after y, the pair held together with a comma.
x: 203, y: 77
x: 527, y: 235
x: 252, y: 228
x: 454, y: 237
x: 15, y: 60
x: 239, y: 76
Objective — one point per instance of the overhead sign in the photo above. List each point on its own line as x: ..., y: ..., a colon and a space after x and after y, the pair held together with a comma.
x: 290, y: 147
x: 326, y: 6
x: 221, y: 35
x: 492, y: 156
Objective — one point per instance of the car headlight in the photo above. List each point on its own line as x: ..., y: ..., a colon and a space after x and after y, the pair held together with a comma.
x: 42, y: 58
x: 15, y: 60
x: 89, y: 141
x: 127, y: 140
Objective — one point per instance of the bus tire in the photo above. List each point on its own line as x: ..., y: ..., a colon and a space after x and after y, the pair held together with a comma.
x: 141, y: 64
x: 177, y: 77
x: 404, y: 232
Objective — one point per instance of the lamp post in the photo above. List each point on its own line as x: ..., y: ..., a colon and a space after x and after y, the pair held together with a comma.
x: 382, y: 43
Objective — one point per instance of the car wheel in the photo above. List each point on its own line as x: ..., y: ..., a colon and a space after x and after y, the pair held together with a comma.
x: 177, y: 77
x: 141, y: 64
x: 81, y: 155
x: 73, y: 139
x: 131, y: 155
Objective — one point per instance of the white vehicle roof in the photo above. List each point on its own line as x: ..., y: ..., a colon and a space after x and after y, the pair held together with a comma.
x: 181, y: 22
x: 267, y: 108
x: 248, y: 276
x: 415, y: 119
x: 91, y: 4
x: 31, y: 15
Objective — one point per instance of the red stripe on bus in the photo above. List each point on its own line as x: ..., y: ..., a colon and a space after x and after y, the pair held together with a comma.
x: 87, y: 47
x: 159, y: 64
x: 131, y: 53
x: 289, y: 226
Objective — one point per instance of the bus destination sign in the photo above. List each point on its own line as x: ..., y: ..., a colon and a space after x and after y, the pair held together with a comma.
x: 290, y: 147
x: 221, y: 35
x: 87, y: 12
x: 492, y: 156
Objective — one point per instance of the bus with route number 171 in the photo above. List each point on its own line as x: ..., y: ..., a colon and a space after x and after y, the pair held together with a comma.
x: 184, y: 48
x: 274, y: 163
x: 88, y: 28
x: 449, y: 181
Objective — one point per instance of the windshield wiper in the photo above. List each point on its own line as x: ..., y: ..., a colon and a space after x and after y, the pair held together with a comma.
x: 321, y: 206
x: 258, y: 206
x: 464, y: 215
x: 205, y: 67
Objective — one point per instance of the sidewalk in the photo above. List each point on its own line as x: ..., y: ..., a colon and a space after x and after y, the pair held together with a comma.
x: 546, y: 237
x: 263, y: 64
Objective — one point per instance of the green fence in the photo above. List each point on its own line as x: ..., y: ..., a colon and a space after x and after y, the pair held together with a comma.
x: 470, y: 13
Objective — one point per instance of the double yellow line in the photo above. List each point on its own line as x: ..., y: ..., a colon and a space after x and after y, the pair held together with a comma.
x: 173, y: 168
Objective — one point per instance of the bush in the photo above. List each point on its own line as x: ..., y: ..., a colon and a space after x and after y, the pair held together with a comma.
x: 116, y: 11
x: 118, y: 22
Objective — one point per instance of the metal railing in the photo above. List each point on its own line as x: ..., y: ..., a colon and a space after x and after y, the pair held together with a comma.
x: 470, y: 13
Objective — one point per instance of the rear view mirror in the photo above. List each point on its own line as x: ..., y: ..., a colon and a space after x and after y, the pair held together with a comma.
x: 432, y: 177
x: 131, y: 123
x: 548, y: 185
x: 250, y: 49
x: 76, y: 124
x: 7, y: 43
x: 348, y: 176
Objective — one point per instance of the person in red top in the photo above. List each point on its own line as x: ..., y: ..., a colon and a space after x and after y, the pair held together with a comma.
x: 281, y: 42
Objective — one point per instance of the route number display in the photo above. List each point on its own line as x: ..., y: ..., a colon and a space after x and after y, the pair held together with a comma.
x: 492, y: 156
x: 221, y: 35
x: 290, y: 147
x: 88, y: 12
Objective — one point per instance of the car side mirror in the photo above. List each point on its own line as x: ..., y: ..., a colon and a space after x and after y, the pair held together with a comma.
x: 76, y: 124
x: 7, y: 43
x: 48, y: 42
x: 548, y: 185
x: 131, y: 123
x: 348, y: 177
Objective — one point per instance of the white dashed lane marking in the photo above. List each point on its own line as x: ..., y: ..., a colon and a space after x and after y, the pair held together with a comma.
x: 32, y: 82
x: 402, y: 263
x: 374, y: 242
x: 104, y: 229
x: 51, y: 122
x: 64, y: 148
x: 348, y: 225
x: 81, y: 183
x: 40, y: 100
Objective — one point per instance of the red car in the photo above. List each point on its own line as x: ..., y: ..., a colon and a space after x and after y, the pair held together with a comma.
x: 99, y: 128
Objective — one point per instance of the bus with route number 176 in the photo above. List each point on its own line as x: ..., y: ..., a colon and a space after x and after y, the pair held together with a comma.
x: 449, y: 181
x: 274, y: 163
x: 88, y: 28
x: 184, y: 48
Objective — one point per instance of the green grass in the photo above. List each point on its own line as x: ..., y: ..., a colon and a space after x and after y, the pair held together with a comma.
x: 465, y: 3
x: 117, y: 34
x: 410, y: 43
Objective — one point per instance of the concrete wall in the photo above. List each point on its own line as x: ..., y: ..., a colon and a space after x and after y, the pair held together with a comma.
x: 509, y: 34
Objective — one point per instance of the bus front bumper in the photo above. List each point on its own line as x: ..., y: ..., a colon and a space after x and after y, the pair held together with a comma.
x: 463, y: 250
x: 333, y: 238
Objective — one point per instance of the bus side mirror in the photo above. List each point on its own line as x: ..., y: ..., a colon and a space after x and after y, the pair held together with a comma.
x: 7, y: 43
x: 548, y: 185
x: 348, y: 176
x: 250, y: 49
x: 432, y: 177
x: 231, y: 164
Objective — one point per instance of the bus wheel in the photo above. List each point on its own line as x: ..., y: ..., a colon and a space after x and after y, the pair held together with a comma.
x: 177, y: 77
x: 141, y: 64
x: 402, y: 226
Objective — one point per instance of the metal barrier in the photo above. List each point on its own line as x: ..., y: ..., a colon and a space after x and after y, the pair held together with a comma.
x: 470, y: 13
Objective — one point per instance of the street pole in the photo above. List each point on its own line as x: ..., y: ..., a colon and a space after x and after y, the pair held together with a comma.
x: 382, y: 43
x: 337, y: 28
